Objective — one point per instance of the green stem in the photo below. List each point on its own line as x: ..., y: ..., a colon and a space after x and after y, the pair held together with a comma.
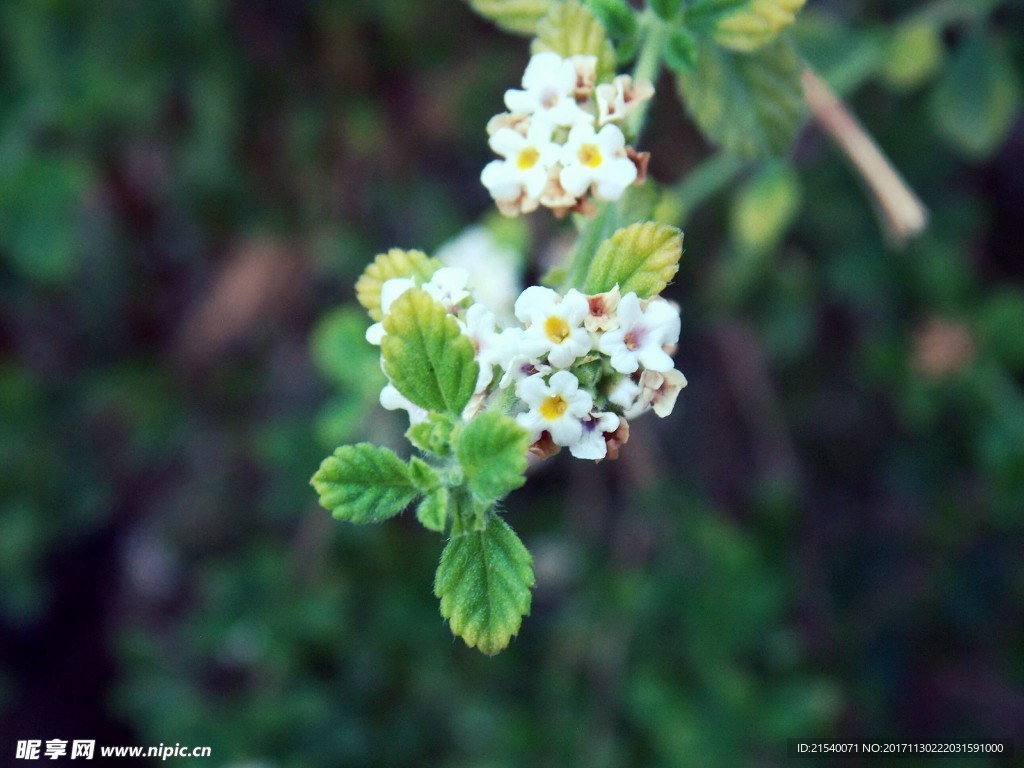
x: 648, y: 64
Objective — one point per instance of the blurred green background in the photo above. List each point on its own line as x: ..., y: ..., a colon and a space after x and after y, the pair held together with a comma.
x: 823, y: 541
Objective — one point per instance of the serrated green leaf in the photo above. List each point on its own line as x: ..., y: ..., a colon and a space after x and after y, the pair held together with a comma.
x: 432, y: 512
x: 483, y: 582
x: 750, y: 104
x: 742, y: 25
x: 519, y: 16
x: 569, y: 29
x: 364, y: 483
x: 492, y: 451
x: 426, y: 356
x: 433, y: 435
x: 976, y: 101
x: 394, y: 263
x: 641, y: 258
x: 764, y: 207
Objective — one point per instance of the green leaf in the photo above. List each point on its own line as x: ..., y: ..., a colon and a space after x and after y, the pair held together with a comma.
x: 433, y: 435
x: 667, y: 9
x: 680, y: 50
x: 432, y: 512
x: 340, y: 351
x: 975, y: 103
x: 394, y: 263
x: 484, y: 582
x: 492, y: 451
x: 750, y: 104
x: 764, y: 207
x: 364, y: 484
x: 642, y: 258
x: 617, y: 17
x: 570, y: 29
x: 41, y: 196
x: 423, y: 475
x: 426, y: 356
x: 912, y: 55
x: 742, y: 25
x: 519, y: 16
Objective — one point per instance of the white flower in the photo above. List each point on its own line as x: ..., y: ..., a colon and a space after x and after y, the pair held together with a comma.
x: 597, y: 159
x: 626, y: 395
x: 556, y: 407
x: 660, y: 390
x: 487, y: 346
x: 391, y: 400
x: 641, y: 335
x: 447, y: 286
x: 592, y: 444
x: 555, y: 324
x: 527, y: 160
x: 617, y: 99
x: 389, y: 291
x: 550, y: 84
x: 493, y: 268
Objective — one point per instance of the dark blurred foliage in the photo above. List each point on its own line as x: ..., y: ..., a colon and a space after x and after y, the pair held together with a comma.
x: 823, y: 541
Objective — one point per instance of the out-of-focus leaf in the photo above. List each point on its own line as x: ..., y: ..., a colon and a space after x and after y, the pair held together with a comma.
x: 975, y: 103
x: 750, y: 104
x: 570, y: 29
x: 742, y: 25
x: 520, y: 16
x: 765, y: 207
x: 912, y: 55
x: 680, y: 50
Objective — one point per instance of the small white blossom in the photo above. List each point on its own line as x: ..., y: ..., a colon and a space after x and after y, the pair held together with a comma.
x: 556, y: 407
x: 389, y: 291
x: 448, y: 286
x: 555, y: 324
x: 641, y: 335
x: 493, y: 268
x: 527, y: 161
x: 617, y: 99
x: 550, y: 85
x: 626, y: 395
x: 592, y: 444
x: 598, y: 160
x: 660, y: 390
x: 487, y: 344
x: 392, y: 400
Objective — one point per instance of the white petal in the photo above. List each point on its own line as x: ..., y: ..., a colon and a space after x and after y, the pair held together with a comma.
x: 544, y: 68
x: 610, y: 140
x: 535, y: 300
x: 655, y: 359
x: 625, y: 361
x: 564, y: 383
x: 532, y: 390
x: 506, y: 142
x: 575, y: 179
x: 534, y: 180
x: 565, y: 431
x: 521, y: 102
x: 591, y: 445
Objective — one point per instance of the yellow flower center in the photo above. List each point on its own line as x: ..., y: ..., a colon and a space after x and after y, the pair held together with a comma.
x: 556, y: 329
x: 553, y: 407
x: 590, y: 155
x: 527, y: 158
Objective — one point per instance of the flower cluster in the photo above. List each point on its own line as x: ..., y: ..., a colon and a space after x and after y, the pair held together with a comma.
x: 558, y: 142
x: 572, y: 369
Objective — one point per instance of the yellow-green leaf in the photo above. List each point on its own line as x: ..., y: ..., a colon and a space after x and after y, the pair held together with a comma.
x: 520, y: 16
x: 750, y: 104
x: 743, y: 25
x: 912, y: 55
x: 570, y: 28
x: 641, y: 258
x: 394, y: 263
x: 483, y: 582
x: 765, y: 206
x: 432, y: 512
x: 364, y: 484
x: 492, y: 452
x: 426, y: 356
